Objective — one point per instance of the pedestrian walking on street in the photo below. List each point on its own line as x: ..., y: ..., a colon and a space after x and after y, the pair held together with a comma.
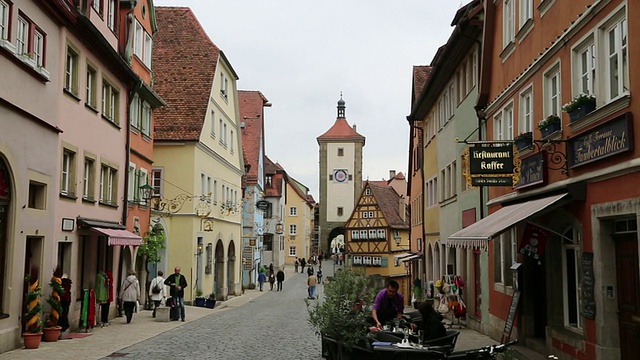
x: 262, y: 277
x: 271, y: 269
x: 280, y: 278
x: 177, y: 283
x: 272, y: 280
x: 303, y: 262
x: 296, y: 264
x: 310, y: 270
x: 319, y: 275
x: 130, y: 294
x: 157, y: 291
x: 312, y: 282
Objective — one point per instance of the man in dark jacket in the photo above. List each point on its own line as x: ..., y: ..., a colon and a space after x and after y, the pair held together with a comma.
x: 280, y: 279
x: 177, y: 283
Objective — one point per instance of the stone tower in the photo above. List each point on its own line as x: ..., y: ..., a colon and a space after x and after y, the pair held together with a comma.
x: 340, y: 176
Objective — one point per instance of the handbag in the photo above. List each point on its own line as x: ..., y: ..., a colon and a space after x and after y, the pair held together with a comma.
x: 443, y: 308
x: 156, y: 289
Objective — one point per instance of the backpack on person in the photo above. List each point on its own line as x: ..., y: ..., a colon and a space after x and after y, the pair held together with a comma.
x: 157, y: 289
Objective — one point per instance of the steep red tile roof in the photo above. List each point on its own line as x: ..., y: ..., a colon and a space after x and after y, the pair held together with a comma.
x: 277, y: 177
x: 251, y: 104
x: 341, y: 131
x: 184, y: 62
x: 389, y: 203
x: 420, y: 76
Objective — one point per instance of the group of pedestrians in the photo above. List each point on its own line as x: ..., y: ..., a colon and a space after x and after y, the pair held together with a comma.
x: 130, y: 294
x: 272, y: 277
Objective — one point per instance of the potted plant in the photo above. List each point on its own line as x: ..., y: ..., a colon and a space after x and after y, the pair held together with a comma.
x: 523, y: 140
x: 549, y: 125
x: 51, y: 328
x: 200, y: 300
x: 211, y: 301
x: 336, y: 320
x: 580, y: 106
x: 33, y: 311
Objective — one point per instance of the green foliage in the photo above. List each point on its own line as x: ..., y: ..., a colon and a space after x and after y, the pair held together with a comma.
x: 578, y: 101
x: 33, y: 307
x: 549, y: 120
x: 523, y: 136
x: 199, y: 293
x: 153, y: 242
x: 334, y: 317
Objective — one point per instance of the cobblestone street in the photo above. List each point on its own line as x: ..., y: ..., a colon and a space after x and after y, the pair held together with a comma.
x: 272, y: 326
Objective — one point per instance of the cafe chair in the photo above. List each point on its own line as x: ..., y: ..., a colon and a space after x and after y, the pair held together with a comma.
x: 448, y: 340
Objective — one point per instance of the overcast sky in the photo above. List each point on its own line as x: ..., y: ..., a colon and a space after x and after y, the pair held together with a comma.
x: 301, y: 54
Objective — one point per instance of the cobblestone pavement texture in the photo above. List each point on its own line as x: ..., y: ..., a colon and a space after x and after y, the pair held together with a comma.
x: 264, y: 325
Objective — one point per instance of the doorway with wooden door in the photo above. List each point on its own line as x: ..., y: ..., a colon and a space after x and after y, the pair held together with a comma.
x: 628, y: 285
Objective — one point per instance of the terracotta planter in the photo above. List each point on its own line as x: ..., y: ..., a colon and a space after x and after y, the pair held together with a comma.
x: 52, y: 334
x: 32, y: 340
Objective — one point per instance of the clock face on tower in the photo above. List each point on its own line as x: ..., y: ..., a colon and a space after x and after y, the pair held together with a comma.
x: 340, y: 175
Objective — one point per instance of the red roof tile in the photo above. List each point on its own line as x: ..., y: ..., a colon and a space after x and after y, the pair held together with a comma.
x: 184, y: 62
x: 389, y: 203
x: 421, y: 74
x: 251, y: 104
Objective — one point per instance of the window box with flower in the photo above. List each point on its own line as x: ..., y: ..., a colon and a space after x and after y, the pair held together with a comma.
x: 549, y: 125
x: 523, y: 140
x: 580, y: 106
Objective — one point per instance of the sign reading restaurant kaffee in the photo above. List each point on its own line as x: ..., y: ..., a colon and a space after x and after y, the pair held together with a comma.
x: 491, y: 166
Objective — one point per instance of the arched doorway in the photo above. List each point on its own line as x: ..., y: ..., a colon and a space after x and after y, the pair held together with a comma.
x: 231, y: 265
x: 218, y: 278
x: 5, y: 209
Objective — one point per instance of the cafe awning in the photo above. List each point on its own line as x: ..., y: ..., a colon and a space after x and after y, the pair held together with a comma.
x: 478, y: 234
x: 119, y: 237
x: 411, y: 257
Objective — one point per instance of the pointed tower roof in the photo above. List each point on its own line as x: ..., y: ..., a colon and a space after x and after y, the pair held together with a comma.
x: 341, y: 129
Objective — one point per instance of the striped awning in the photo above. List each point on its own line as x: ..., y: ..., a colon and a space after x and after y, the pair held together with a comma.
x: 478, y: 234
x: 119, y: 237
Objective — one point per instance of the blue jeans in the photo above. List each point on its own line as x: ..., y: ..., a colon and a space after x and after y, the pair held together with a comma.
x: 179, y: 303
x: 312, y: 291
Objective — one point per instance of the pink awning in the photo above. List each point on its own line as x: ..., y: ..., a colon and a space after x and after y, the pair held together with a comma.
x: 118, y: 237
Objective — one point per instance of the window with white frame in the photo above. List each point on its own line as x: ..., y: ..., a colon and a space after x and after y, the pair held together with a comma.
x: 138, y: 39
x: 67, y: 173
x: 372, y: 234
x: 366, y: 260
x: 616, y: 60
x: 293, y: 211
x: 363, y: 235
x: 22, y: 37
x: 215, y: 192
x: 503, y: 123
x: 224, y: 86
x: 38, y: 47
x: 203, y: 183
x: 508, y: 22
x: 552, y: 93
x: 571, y: 259
x: 111, y: 15
x: 292, y: 251
x: 131, y: 180
x: 136, y: 104
x: 223, y: 135
x: 148, y: 46
x: 5, y: 11
x: 110, y: 101
x: 367, y: 191
x: 88, y: 179
x: 526, y: 11
x: 91, y: 86
x: 108, y: 188
x: 231, y: 141
x: 525, y: 123
x: 208, y: 190
x: 376, y: 261
x: 97, y: 6
x: 431, y: 187
x: 382, y: 234
x: 143, y: 179
x: 156, y: 181
x: 71, y: 71
x: 357, y: 260
x: 365, y: 214
x: 355, y: 234
x: 145, y: 126
x: 504, y: 250
x: 340, y: 211
x: 213, y: 125
x: 584, y: 67
x: 452, y: 99
x: 293, y: 229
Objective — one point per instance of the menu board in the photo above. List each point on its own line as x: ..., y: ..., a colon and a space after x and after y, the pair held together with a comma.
x: 508, y: 325
x: 588, y: 287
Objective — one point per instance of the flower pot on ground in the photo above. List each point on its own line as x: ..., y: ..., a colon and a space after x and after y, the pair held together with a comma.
x: 199, y: 300
x: 580, y: 106
x: 523, y: 140
x: 211, y: 301
x: 33, y: 311
x: 549, y: 125
x: 52, y: 330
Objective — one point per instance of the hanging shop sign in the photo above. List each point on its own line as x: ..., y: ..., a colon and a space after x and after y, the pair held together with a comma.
x: 491, y: 166
x: 608, y: 139
x: 532, y: 170
x: 262, y: 205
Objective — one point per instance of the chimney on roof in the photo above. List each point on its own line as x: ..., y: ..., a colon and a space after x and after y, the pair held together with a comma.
x: 392, y: 174
x: 354, y: 127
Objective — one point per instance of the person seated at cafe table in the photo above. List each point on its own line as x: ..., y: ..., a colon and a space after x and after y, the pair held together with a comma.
x: 431, y: 326
x: 388, y: 304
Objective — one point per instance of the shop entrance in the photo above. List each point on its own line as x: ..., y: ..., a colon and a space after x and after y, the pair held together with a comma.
x: 628, y: 284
